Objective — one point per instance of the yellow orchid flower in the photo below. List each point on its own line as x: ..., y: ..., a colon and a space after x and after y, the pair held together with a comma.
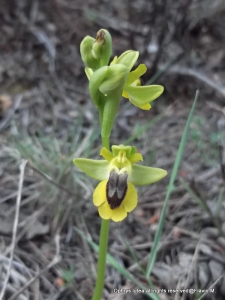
x: 140, y: 96
x: 116, y: 195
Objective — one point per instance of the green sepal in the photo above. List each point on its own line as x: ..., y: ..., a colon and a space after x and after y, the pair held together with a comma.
x: 86, y: 53
x: 97, y: 169
x: 116, y: 149
x: 128, y: 59
x: 133, y: 150
x: 142, y: 175
x: 131, y: 153
x: 140, y: 95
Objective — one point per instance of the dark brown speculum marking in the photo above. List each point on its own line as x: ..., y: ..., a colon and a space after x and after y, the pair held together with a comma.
x: 116, y: 189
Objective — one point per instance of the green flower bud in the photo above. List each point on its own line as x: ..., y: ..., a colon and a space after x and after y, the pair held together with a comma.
x: 107, y: 80
x: 105, y: 87
x: 102, y: 47
x: 114, y: 79
x: 96, y: 53
x: 95, y: 81
x: 86, y: 53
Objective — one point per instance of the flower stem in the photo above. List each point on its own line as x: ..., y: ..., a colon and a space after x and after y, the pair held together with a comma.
x: 103, y: 245
x: 105, y: 142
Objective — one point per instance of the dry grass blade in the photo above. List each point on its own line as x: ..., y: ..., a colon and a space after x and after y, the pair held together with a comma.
x: 211, y: 287
x: 49, y: 179
x: 200, y: 76
x: 15, y: 225
x: 56, y: 259
x: 193, y: 263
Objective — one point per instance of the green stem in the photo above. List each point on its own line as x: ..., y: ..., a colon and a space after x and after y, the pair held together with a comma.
x: 105, y: 142
x: 111, y: 105
x: 103, y: 245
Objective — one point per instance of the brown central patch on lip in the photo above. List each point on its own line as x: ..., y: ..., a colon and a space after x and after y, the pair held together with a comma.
x: 116, y: 189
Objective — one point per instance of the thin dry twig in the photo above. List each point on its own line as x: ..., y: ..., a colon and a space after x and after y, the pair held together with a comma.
x: 190, y: 72
x: 56, y: 259
x: 194, y: 261
x: 212, y: 286
x: 15, y: 225
x: 49, y: 179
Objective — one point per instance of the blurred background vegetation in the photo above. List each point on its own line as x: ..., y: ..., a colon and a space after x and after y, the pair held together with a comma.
x: 47, y: 118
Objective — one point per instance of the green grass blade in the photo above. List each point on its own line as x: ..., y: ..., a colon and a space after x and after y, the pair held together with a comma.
x: 151, y: 285
x: 132, y: 253
x: 118, y: 267
x: 170, y: 188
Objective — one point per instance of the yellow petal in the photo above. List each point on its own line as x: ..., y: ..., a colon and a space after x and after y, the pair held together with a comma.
x: 136, y: 74
x: 106, y: 154
x: 135, y: 158
x: 130, y: 200
x: 119, y: 214
x: 99, y: 195
x: 145, y: 106
x: 105, y: 211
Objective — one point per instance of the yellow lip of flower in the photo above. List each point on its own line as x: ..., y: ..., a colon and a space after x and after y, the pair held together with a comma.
x: 115, y: 195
